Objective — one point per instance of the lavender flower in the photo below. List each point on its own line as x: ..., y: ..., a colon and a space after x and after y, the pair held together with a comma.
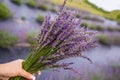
x: 64, y: 38
x: 58, y: 40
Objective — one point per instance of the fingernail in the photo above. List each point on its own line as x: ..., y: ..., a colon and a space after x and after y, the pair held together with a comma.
x: 32, y: 77
x: 39, y: 73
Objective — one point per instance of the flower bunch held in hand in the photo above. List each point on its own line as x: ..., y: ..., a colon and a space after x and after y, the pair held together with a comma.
x: 58, y: 40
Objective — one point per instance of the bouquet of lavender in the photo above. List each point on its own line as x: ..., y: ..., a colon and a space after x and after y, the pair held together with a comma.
x: 58, y: 40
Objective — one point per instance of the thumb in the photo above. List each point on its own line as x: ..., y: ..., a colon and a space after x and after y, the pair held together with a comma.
x: 27, y: 75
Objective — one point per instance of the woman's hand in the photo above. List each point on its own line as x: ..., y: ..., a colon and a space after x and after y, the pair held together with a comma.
x: 13, y: 69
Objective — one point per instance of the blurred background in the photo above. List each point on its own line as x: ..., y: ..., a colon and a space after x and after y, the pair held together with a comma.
x: 20, y: 21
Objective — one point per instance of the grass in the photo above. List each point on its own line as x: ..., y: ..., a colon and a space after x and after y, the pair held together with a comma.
x: 78, y: 16
x: 111, y: 29
x: 31, y: 38
x: 92, y: 18
x: 31, y: 3
x: 17, y: 2
x: 100, y: 28
x: 97, y: 77
x: 40, y: 18
x: 118, y: 18
x: 96, y: 27
x: 54, y: 10
x: 114, y: 39
x: 78, y: 4
x: 109, y: 39
x: 92, y: 26
x: 114, y: 15
x: 96, y: 7
x: 7, y: 40
x: 103, y: 39
x: 4, y: 11
x: 23, y: 17
x: 118, y: 29
x: 84, y: 24
x: 43, y: 7
x: 89, y: 7
x: 118, y: 23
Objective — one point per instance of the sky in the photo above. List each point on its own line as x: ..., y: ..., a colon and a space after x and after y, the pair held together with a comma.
x: 108, y: 5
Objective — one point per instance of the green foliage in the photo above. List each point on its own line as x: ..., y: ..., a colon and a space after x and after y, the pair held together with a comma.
x: 96, y: 27
x: 7, y: 40
x: 53, y: 10
x: 31, y: 3
x: 53, y: 4
x: 114, y: 15
x: 118, y: 18
x: 93, y: 27
x: 97, y: 77
x: 111, y: 29
x: 70, y: 0
x: 92, y: 18
x: 23, y: 18
x: 84, y: 24
x: 96, y: 7
x: 115, y: 39
x: 17, y: 2
x: 118, y: 29
x: 43, y: 7
x: 100, y: 28
x: 4, y: 11
x: 31, y: 38
x: 103, y: 39
x: 78, y: 16
x: 118, y: 23
x: 89, y: 7
x: 75, y: 78
x: 40, y: 18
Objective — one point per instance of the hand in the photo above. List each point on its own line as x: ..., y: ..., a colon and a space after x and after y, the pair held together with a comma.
x: 13, y: 69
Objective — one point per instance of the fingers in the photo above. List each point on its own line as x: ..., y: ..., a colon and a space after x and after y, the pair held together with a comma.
x: 4, y: 78
x: 27, y: 75
x: 20, y: 60
x: 39, y: 73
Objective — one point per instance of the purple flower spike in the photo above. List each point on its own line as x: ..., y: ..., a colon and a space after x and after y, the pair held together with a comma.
x: 66, y: 40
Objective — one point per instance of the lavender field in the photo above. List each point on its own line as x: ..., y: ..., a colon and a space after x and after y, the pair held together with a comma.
x: 20, y: 23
